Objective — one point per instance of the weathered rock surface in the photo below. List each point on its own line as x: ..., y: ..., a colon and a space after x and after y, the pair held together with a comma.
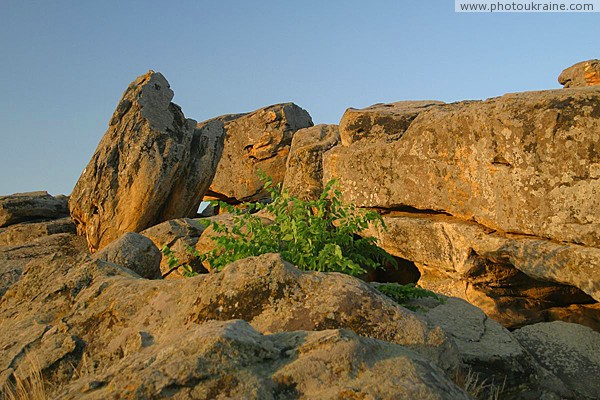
x: 385, y: 122
x: 527, y: 163
x: 31, y: 206
x: 136, y: 252
x: 490, y: 351
x: 152, y: 165
x: 180, y: 235
x: 585, y: 73
x: 514, y: 279
x: 256, y: 141
x: 570, y: 351
x: 96, y: 325
x: 304, y: 170
x: 27, y: 231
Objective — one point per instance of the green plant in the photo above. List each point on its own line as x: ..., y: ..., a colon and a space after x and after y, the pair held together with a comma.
x: 316, y: 235
x: 403, y: 294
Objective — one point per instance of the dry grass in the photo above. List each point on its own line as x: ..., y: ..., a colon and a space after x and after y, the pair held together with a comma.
x: 30, y: 388
x: 477, y: 388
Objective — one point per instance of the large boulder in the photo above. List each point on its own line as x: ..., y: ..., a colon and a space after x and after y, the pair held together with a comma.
x: 524, y: 163
x: 152, y: 165
x: 304, y: 170
x: 385, y: 122
x: 257, y: 141
x: 514, y: 279
x: 31, y: 206
x: 570, y: 351
x: 585, y: 73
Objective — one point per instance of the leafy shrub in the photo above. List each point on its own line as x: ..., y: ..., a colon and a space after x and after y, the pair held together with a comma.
x: 315, y: 235
x: 174, y: 263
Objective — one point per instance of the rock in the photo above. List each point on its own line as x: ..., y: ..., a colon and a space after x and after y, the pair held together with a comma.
x: 136, y: 252
x: 585, y: 73
x: 152, y: 165
x: 27, y: 231
x: 514, y: 279
x: 304, y: 170
x: 490, y: 351
x: 179, y: 235
x: 13, y: 259
x: 31, y: 206
x: 113, y: 317
x: 570, y: 351
x: 524, y: 163
x: 385, y: 122
x: 331, y: 364
x: 256, y: 141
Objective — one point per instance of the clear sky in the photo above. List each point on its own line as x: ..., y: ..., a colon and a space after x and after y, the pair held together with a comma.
x: 65, y: 64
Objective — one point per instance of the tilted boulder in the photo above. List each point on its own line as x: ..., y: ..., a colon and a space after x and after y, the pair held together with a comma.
x: 386, y: 122
x: 31, y: 206
x: 304, y: 170
x: 524, y: 163
x: 570, y: 351
x: 152, y: 165
x: 585, y: 73
x: 256, y: 141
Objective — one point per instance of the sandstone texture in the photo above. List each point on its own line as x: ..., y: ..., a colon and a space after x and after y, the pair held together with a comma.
x: 31, y: 206
x: 524, y: 163
x: 585, y: 73
x: 514, y: 279
x: 381, y: 122
x: 257, y: 141
x: 152, y: 165
x: 27, y: 231
x: 570, y: 351
x: 136, y: 252
x: 304, y: 169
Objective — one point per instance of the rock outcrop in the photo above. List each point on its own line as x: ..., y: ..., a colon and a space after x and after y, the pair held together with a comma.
x: 524, y: 163
x: 304, y: 169
x: 31, y: 206
x: 514, y: 279
x: 152, y: 165
x: 28, y: 231
x: 585, y: 73
x: 570, y: 351
x: 257, y: 141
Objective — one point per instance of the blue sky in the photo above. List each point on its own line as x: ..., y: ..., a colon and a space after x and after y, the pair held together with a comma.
x: 65, y: 64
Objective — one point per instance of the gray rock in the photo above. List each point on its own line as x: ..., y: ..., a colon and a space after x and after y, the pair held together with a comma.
x: 570, y: 351
x: 136, y: 252
x: 585, y: 73
x: 152, y: 165
x: 304, y: 170
x: 31, y: 206
x: 259, y: 140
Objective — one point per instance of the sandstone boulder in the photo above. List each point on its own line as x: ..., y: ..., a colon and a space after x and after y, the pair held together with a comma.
x: 256, y: 141
x: 385, y: 122
x: 514, y: 279
x: 27, y: 231
x: 304, y: 170
x: 152, y: 165
x: 524, y: 163
x: 570, y: 351
x: 31, y: 206
x: 136, y: 252
x: 585, y: 73
x: 179, y: 235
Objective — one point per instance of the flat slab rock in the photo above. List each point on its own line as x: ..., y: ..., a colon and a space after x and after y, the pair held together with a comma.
x: 31, y: 206
x: 524, y: 163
